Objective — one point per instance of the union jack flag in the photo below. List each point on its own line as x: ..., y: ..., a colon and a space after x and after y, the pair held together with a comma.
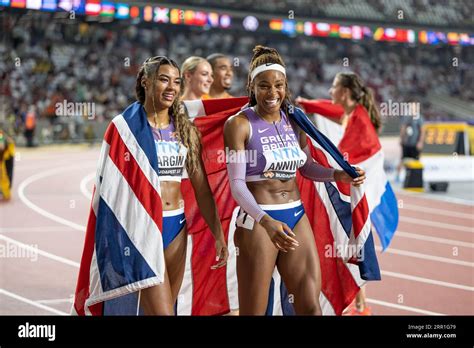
x: 123, y: 250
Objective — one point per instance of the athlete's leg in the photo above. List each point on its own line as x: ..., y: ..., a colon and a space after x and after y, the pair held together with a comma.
x: 301, y: 272
x: 157, y: 300
x: 256, y: 257
x: 175, y: 256
x: 160, y: 299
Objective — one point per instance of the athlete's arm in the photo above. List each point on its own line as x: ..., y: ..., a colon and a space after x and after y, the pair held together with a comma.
x: 236, y: 132
x: 316, y: 172
x: 208, y: 208
x: 312, y: 170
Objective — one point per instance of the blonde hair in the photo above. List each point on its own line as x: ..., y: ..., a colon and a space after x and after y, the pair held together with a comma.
x: 186, y: 131
x: 190, y: 65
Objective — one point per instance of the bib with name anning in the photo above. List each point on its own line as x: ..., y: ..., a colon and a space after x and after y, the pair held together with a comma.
x: 278, y: 154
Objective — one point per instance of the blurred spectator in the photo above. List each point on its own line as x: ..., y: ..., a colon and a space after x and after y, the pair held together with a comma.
x: 51, y: 60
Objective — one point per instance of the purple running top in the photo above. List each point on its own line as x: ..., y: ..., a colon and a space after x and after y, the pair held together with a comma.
x: 275, y: 146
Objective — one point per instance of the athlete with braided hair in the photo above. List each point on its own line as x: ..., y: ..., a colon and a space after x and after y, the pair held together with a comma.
x: 178, y: 148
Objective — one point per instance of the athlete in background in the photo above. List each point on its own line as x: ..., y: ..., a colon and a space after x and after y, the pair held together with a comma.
x: 223, y: 73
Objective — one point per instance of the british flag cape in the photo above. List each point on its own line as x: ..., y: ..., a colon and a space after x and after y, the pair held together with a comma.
x: 123, y: 250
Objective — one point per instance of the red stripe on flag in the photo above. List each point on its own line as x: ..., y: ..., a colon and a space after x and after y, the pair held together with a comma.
x: 97, y: 309
x: 318, y: 154
x: 131, y: 171
x: 337, y: 282
x: 214, y: 106
x: 321, y: 158
x: 360, y: 215
x: 324, y: 108
x: 362, y: 141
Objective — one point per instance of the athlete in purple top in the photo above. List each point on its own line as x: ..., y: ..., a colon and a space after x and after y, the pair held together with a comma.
x: 178, y: 151
x: 272, y: 227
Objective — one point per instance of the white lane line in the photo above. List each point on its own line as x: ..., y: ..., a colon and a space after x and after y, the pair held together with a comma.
x: 384, y: 273
x: 432, y: 197
x: 438, y: 211
x: 83, y: 186
x: 434, y: 239
x: 427, y: 280
x: 404, y: 308
x: 30, y: 302
x: 41, y: 252
x: 437, y: 224
x: 426, y: 256
x: 21, y: 194
x: 33, y: 229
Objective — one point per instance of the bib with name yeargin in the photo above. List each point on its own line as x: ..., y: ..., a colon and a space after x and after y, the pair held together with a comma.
x: 171, y: 154
x: 275, y: 148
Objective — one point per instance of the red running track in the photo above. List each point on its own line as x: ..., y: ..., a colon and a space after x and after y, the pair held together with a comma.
x: 428, y: 268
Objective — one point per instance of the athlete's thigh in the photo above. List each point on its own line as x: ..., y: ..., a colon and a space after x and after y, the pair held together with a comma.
x: 175, y: 258
x: 300, y: 268
x: 256, y: 258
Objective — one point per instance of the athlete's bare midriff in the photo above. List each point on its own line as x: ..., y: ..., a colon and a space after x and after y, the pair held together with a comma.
x: 274, y: 191
x: 171, y: 196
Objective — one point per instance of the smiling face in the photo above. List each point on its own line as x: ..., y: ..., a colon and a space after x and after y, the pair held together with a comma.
x: 200, y: 80
x: 269, y: 88
x: 337, y: 92
x: 167, y: 86
x: 223, y: 73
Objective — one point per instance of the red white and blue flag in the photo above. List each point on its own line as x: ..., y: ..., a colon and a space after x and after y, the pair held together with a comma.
x: 340, y: 224
x: 339, y: 215
x: 359, y: 143
x: 123, y: 250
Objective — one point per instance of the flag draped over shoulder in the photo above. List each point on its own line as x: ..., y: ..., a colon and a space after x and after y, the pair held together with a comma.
x: 359, y: 143
x: 123, y: 250
x: 205, y: 291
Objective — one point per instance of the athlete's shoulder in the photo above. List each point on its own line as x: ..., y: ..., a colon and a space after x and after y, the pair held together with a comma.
x: 237, y: 121
x: 237, y: 127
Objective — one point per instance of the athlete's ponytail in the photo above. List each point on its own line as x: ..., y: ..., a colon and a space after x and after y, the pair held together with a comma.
x: 362, y: 95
